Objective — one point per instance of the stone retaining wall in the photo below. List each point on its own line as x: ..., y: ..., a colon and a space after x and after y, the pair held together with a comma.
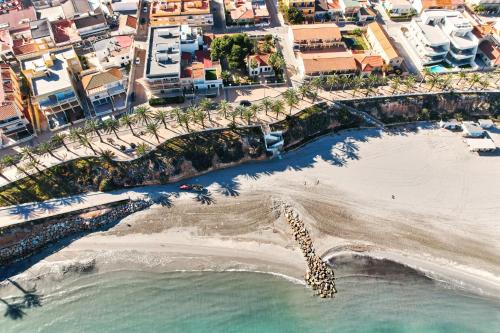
x: 28, y: 238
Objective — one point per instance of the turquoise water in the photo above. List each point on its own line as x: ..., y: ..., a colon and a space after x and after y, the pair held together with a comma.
x: 249, y: 302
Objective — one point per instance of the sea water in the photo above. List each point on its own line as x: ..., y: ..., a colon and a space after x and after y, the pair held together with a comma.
x: 244, y: 302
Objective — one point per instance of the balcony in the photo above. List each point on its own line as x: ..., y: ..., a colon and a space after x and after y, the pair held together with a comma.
x: 116, y: 90
x: 57, y: 99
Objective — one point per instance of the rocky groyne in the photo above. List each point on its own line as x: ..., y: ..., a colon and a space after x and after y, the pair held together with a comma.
x: 27, y: 239
x: 319, y: 275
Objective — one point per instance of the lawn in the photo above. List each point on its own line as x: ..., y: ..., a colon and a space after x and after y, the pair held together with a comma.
x: 354, y: 42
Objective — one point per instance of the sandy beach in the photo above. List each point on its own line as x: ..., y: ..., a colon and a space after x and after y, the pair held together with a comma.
x: 443, y: 219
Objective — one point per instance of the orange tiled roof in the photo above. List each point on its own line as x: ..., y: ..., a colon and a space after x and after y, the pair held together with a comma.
x: 327, y: 31
x: 325, y: 62
x: 131, y: 21
x: 262, y: 60
x: 7, y: 111
x: 446, y: 4
x: 242, y: 13
x: 368, y: 62
x: 491, y: 51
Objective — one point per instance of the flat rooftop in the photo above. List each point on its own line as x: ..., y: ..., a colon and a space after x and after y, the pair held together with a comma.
x: 58, y: 77
x: 433, y: 33
x: 163, y: 56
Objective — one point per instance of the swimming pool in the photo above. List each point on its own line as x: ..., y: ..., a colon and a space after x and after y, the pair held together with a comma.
x: 437, y: 69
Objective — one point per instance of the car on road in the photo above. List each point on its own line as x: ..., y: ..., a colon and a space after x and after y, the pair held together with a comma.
x: 145, y: 9
x: 245, y: 103
x: 137, y: 61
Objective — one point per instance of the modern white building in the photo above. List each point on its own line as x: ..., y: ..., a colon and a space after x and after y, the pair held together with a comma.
x: 442, y: 35
x: 398, y: 7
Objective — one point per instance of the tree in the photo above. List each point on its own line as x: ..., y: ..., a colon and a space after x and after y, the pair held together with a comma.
x: 3, y: 165
x: 58, y: 140
x: 462, y: 75
x: 82, y: 137
x: 395, y: 83
x: 142, y: 114
x: 332, y: 81
x: 161, y: 116
x: 74, y: 134
x: 233, y: 48
x: 277, y: 62
x: 128, y: 120
x: 141, y: 149
x: 111, y: 126
x: 278, y: 107
x: 205, y: 105
x: 254, y: 63
x: 107, y: 156
x: 266, y: 104
x: 409, y: 82
x: 239, y: 110
x: 184, y: 119
x: 255, y: 108
x: 474, y: 79
x: 304, y: 89
x: 225, y: 108
x: 294, y: 15
x: 291, y: 98
x: 433, y: 80
x: 199, y: 116
x: 233, y: 115
x: 176, y: 112
x: 46, y: 148
x: 27, y: 153
x: 248, y: 114
x: 93, y: 125
x: 153, y: 129
x: 11, y: 161
x: 355, y: 83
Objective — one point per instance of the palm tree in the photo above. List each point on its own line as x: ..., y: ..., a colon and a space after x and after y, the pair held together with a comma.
x: 200, y: 116
x: 27, y: 153
x: 185, y: 118
x: 176, y: 112
x: 153, y: 129
x: 142, y: 114
x: 316, y: 83
x: 111, y: 125
x: 304, y: 90
x: 58, y: 140
x: 356, y: 83
x: 94, y: 125
x: 46, y: 148
x: 255, y: 108
x: 433, y: 80
x: 475, y: 78
x: 409, y: 82
x: 332, y: 81
x: 485, y: 84
x: 33, y: 165
x: 127, y: 120
x: 462, y: 75
x: 233, y: 115
x: 239, y: 110
x: 291, y: 98
x: 75, y: 134
x: 108, y: 156
x: 205, y: 105
x: 225, y: 108
x: 248, y: 114
x: 278, y: 107
x: 427, y: 73
x: 161, y: 116
x: 3, y: 165
x: 83, y: 139
x: 267, y: 104
x: 11, y: 161
x: 141, y: 149
x: 395, y: 83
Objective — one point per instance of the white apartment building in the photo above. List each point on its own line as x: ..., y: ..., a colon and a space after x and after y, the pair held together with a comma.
x: 443, y: 35
x: 51, y: 79
x: 176, y: 65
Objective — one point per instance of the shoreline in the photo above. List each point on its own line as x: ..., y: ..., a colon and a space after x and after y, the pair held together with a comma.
x: 450, y: 240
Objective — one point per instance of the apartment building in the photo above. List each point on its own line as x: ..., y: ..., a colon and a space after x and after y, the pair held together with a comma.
x: 195, y: 13
x: 14, y: 126
x: 51, y: 79
x: 442, y: 35
x: 306, y: 6
x: 381, y: 44
x: 175, y: 66
x: 421, y: 5
x: 315, y: 36
x: 112, y: 52
x: 106, y: 91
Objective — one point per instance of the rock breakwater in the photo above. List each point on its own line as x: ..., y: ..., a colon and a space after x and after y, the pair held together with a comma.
x: 32, y: 238
x: 319, y: 275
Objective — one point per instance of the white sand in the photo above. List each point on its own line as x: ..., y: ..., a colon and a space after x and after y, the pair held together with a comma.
x: 445, y: 218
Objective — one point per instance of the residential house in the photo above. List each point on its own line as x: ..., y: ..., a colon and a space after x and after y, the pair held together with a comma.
x: 51, y: 80
x: 106, y: 90
x: 14, y: 127
x: 7, y: 55
x: 366, y: 14
x: 350, y: 7
x: 398, y: 7
x: 315, y: 36
x: 195, y: 13
x: 327, y: 63
x: 203, y: 73
x: 421, y: 5
x: 306, y: 6
x: 380, y: 44
x: 75, y: 8
x: 443, y: 35
x: 127, y: 25
x: 489, y: 53
x: 247, y: 11
x: 259, y: 65
x: 41, y: 34
x: 173, y: 66
x: 116, y: 51
x: 65, y: 33
x: 369, y: 64
x: 17, y: 20
x: 93, y: 24
x: 125, y: 7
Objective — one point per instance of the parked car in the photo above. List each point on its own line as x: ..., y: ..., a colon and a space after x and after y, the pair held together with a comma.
x: 137, y: 61
x: 145, y: 9
x: 245, y: 103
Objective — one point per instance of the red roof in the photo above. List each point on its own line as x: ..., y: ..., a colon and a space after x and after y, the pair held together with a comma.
x: 490, y: 51
x: 7, y: 111
x: 123, y: 41
x: 203, y: 56
x: 262, y: 60
x: 131, y: 22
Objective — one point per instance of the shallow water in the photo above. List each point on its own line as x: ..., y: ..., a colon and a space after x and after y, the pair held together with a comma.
x: 244, y: 302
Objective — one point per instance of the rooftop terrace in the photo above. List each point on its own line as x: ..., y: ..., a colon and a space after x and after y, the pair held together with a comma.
x: 163, y: 56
